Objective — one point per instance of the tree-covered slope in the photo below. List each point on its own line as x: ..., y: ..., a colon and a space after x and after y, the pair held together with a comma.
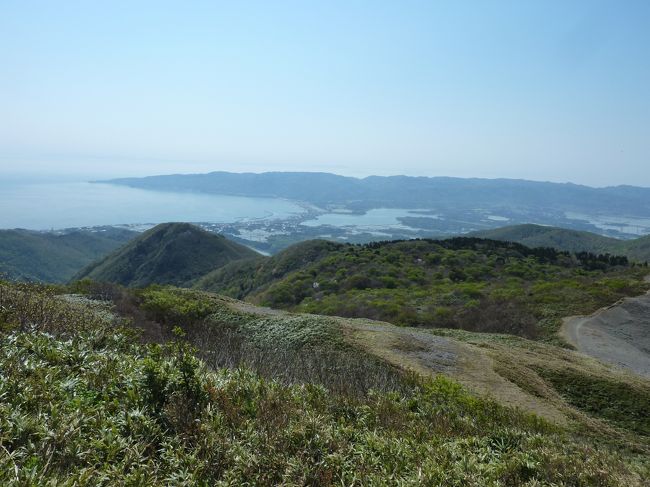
x: 55, y: 257
x: 572, y: 240
x: 468, y: 283
x: 239, y: 279
x: 533, y: 235
x: 170, y: 253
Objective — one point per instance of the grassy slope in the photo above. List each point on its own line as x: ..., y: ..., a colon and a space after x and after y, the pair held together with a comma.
x: 171, y: 253
x: 599, y: 398
x: 459, y: 283
x: 598, y: 401
x: 49, y: 257
x: 86, y: 404
x: 571, y: 240
x: 516, y: 371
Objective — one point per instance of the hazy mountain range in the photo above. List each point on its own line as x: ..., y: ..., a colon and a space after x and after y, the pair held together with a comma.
x: 324, y: 189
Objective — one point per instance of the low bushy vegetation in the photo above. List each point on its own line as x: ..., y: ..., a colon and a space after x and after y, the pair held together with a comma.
x: 467, y: 283
x: 239, y: 279
x: 292, y: 349
x: 620, y: 403
x: 83, y: 403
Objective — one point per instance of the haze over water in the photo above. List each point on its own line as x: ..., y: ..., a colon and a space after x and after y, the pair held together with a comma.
x: 41, y: 206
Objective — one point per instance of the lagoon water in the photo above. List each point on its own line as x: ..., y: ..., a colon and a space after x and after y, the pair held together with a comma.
x: 376, y: 218
x: 633, y: 226
x: 66, y: 205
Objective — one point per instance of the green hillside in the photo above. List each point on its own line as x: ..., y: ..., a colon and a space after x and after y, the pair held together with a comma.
x: 467, y: 283
x: 638, y: 249
x: 55, y: 257
x: 270, y: 399
x: 170, y: 253
x: 239, y: 279
x: 572, y: 240
x: 533, y: 235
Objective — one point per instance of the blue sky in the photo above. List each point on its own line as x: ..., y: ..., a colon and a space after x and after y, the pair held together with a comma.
x: 547, y: 90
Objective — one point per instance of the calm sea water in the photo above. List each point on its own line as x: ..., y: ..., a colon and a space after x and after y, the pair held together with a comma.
x: 66, y: 205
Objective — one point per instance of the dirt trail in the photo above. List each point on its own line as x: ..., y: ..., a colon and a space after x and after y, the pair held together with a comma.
x: 245, y: 307
x: 618, y: 335
x: 428, y: 354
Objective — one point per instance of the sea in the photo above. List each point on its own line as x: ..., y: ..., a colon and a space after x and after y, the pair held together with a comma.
x: 59, y: 205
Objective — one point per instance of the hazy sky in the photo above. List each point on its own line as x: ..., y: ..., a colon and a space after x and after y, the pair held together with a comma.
x: 549, y: 90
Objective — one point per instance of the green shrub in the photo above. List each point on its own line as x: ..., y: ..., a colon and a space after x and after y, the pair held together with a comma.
x: 78, y: 413
x: 403, y: 282
x: 620, y: 403
x: 175, y: 306
x: 83, y: 403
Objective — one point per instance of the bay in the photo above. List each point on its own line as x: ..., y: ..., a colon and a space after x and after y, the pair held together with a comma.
x: 46, y: 206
